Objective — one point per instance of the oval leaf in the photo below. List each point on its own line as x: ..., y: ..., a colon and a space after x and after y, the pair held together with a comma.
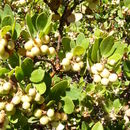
x: 78, y: 50
x: 97, y: 126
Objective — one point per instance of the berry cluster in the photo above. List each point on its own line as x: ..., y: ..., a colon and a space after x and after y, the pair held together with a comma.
x: 102, y: 75
x: 71, y: 62
x: 38, y: 47
x: 5, y: 47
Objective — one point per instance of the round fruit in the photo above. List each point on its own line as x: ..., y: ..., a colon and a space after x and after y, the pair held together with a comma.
x: 76, y: 67
x: 65, y: 62
x: 127, y: 112
x: 78, y: 59
x: 41, y: 100
x: 38, y: 113
x: 64, y: 117
x: 26, y: 98
x: 51, y: 50
x: 16, y: 100
x: 60, y: 127
x: 44, y: 120
x: 99, y: 66
x: 32, y: 92
x: 105, y: 73
x: 35, y: 51
x: 9, y: 107
x: 37, y: 97
x: 2, y: 49
x: 7, y: 86
x: 10, y: 45
x: 57, y: 116
x: 22, y: 2
x: 50, y: 113
x: 5, y: 55
x: 97, y: 78
x: 26, y: 105
x: 2, y: 105
x: 3, y: 42
x: 104, y: 81
x: 111, y: 62
x: 69, y: 55
x: 94, y: 69
x: 113, y: 77
x: 28, y: 45
x: 81, y: 64
x: 29, y: 54
x: 67, y: 68
x: 44, y: 49
x: 46, y: 39
x: 1, y: 90
x: 38, y: 41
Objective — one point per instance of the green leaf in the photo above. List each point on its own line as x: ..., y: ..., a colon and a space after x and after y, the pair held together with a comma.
x: 4, y: 30
x: 3, y: 71
x: 8, y: 10
x: 41, y: 87
x: 30, y: 25
x: 66, y: 44
x: 85, y: 43
x: 37, y: 75
x: 117, y: 105
x: 7, y: 21
x: 106, y: 45
x: 58, y: 89
x: 14, y: 60
x: 98, y: 126
x: 41, y: 21
x: 126, y: 68
x: 80, y: 38
x: 19, y: 73
x: 127, y: 3
x: 78, y: 50
x: 84, y: 126
x: 27, y: 66
x: 68, y: 105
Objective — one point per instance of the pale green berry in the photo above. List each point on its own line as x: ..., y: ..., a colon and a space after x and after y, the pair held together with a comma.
x: 105, y: 73
x: 16, y: 100
x: 32, y: 92
x: 9, y: 107
x: 76, y: 67
x: 44, y: 120
x: 2, y: 49
x: 10, y: 45
x: 51, y: 50
x: 60, y: 127
x: 64, y: 117
x: 81, y: 64
x: 50, y: 113
x: 26, y: 98
x: 113, y: 77
x: 78, y: 59
x: 67, y: 68
x: 5, y: 55
x: 37, y: 97
x: 99, y: 66
x: 65, y: 62
x: 3, y: 42
x: 35, y: 51
x: 96, y: 78
x: 46, y: 39
x: 38, y: 113
x: 7, y: 86
x: 26, y: 105
x: 104, y: 81
x: 38, y: 42
x: 28, y: 45
x: 57, y: 116
x: 111, y: 62
x: 69, y: 55
x: 44, y: 49
x: 94, y: 69
x: 41, y: 100
x: 2, y: 105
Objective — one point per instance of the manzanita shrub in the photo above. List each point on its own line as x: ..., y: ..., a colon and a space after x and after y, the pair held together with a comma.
x: 64, y: 64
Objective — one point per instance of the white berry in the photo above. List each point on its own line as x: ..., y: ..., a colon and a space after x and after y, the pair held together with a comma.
x: 2, y: 105
x: 26, y: 105
x: 99, y: 66
x: 94, y: 69
x: 81, y: 64
x: 60, y: 127
x: 32, y: 92
x: 2, y: 49
x: 64, y: 117
x: 67, y: 68
x: 3, y: 42
x: 38, y: 113
x: 105, y: 73
x: 44, y: 49
x: 46, y: 39
x: 104, y: 81
x: 76, y: 67
x: 69, y: 55
x: 113, y: 77
x: 51, y: 50
x: 96, y: 78
x: 44, y: 120
x: 9, y: 107
x: 50, y: 113
x: 26, y: 98
x: 111, y: 62
x: 28, y: 45
x: 78, y: 59
x: 37, y: 97
x: 38, y: 41
x: 65, y: 62
x: 35, y: 51
x: 7, y: 86
x: 16, y: 100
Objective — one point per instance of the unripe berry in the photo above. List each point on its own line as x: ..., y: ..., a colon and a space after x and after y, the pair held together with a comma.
x: 41, y: 100
x: 16, y: 100
x: 9, y: 107
x: 2, y: 49
x: 10, y: 45
x: 26, y: 98
x: 22, y: 2
x: 26, y: 105
x: 67, y: 68
x: 2, y: 116
x: 5, y: 55
x: 69, y: 55
x: 51, y: 50
x: 78, y: 59
x: 2, y: 105
x: 38, y: 42
x: 60, y: 127
x: 3, y: 42
x: 1, y: 90
x: 113, y: 77
x: 57, y: 116
x: 38, y: 113
x: 105, y: 73
x: 96, y: 78
x: 111, y: 62
x: 46, y: 39
x: 99, y: 66
x: 44, y: 49
x: 104, y: 81
x: 94, y: 69
x: 65, y: 62
x: 7, y: 86
x: 35, y: 51
x: 64, y: 117
x: 50, y: 113
x: 28, y: 45
x: 37, y: 97
x: 44, y: 120
x: 32, y: 92
x: 76, y: 67
x: 81, y: 64
x: 29, y: 54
